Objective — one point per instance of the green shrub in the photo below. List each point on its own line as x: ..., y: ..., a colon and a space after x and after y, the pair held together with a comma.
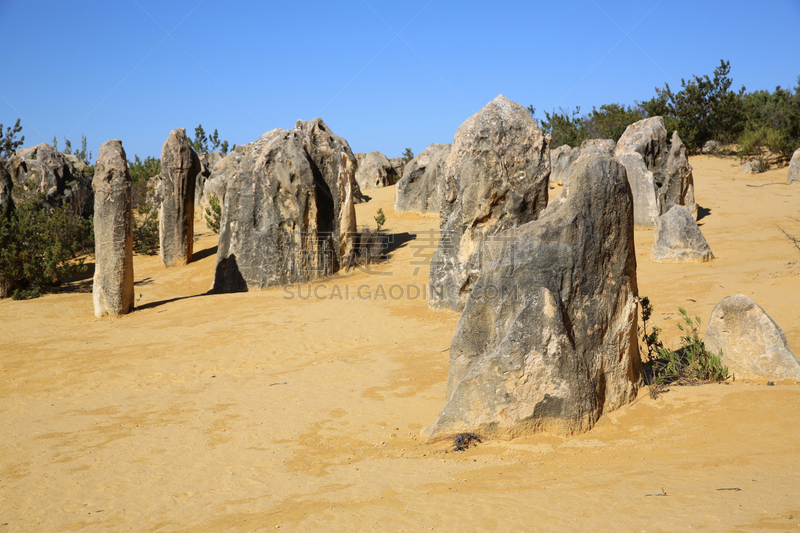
x: 380, y: 219
x: 203, y: 144
x: 8, y: 141
x: 691, y: 364
x: 407, y: 156
x: 38, y: 246
x: 213, y: 214
x: 145, y: 225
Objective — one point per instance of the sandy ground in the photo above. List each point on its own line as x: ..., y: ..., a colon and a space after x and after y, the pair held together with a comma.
x: 271, y: 410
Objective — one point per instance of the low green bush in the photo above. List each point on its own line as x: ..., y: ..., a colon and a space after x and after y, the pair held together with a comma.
x: 691, y: 364
x: 213, y: 214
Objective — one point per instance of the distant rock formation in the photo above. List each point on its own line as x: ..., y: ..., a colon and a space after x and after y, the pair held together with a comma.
x: 179, y: 168
x: 59, y: 176
x: 679, y: 239
x: 112, y: 290
x: 285, y: 217
x: 495, y: 178
x: 207, y: 162
x: 753, y: 345
x: 658, y: 171
x: 417, y: 190
x: 547, y: 340
x: 375, y: 171
x: 753, y: 165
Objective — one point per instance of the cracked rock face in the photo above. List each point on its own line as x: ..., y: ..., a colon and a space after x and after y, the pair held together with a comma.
x: 753, y: 345
x: 288, y: 213
x: 375, y: 171
x: 112, y: 290
x: 547, y: 340
x: 658, y: 170
x: 495, y: 178
x: 418, y: 188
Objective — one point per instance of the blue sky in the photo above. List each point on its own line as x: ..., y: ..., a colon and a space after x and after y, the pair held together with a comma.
x: 383, y: 74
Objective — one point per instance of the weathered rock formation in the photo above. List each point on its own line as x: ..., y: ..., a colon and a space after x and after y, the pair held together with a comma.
x: 348, y: 228
x: 375, y: 171
x: 285, y: 216
x: 179, y: 168
x: 753, y: 165
x: 57, y: 175
x: 679, y: 239
x: 112, y: 290
x: 495, y: 178
x: 794, y: 168
x: 417, y: 190
x: 658, y: 170
x: 753, y: 345
x: 599, y: 144
x: 561, y: 160
x: 547, y: 340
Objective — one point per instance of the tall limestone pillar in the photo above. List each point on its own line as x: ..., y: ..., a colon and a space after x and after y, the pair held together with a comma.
x: 179, y: 168
x: 113, y: 232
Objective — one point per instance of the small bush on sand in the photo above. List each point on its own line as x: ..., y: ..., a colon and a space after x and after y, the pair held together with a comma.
x: 691, y: 364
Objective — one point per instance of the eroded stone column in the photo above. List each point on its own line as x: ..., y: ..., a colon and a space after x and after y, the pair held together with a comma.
x: 179, y: 168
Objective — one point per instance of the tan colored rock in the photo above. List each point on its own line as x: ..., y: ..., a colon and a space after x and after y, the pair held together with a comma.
x: 112, y: 290
x: 348, y: 229
x: 179, y: 168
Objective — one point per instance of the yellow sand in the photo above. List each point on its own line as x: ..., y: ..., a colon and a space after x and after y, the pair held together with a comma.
x: 258, y: 411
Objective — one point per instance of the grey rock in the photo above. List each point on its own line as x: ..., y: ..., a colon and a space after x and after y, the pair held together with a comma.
x: 561, y: 159
x: 547, y: 340
x: 679, y: 239
x: 794, y: 168
x: 112, y: 291
x: 658, y: 170
x: 711, y: 147
x: 495, y: 178
x: 284, y: 210
x: 753, y: 345
x: 59, y: 176
x: 753, y: 165
x: 399, y: 165
x: 179, y: 168
x: 417, y: 190
x: 374, y: 171
x: 207, y: 162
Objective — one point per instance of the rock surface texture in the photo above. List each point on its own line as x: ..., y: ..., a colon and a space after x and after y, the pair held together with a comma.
x: 561, y: 160
x: 285, y: 216
x: 547, y: 341
x: 679, y: 239
x: 207, y: 162
x: 752, y: 344
x: 495, y: 178
x: 418, y: 190
x: 112, y: 290
x: 375, y: 171
x: 794, y: 168
x: 179, y: 168
x: 658, y: 170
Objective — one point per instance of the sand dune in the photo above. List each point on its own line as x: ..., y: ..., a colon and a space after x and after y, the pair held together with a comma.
x: 265, y: 410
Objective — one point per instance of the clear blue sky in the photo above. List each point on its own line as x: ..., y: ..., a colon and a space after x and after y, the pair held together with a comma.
x: 383, y: 74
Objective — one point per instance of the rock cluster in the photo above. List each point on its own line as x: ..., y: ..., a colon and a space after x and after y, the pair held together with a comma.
x: 418, y: 188
x: 658, y: 170
x: 679, y: 239
x: 753, y: 345
x: 495, y: 178
x: 57, y: 175
x: 284, y: 216
x: 547, y: 340
x: 112, y: 291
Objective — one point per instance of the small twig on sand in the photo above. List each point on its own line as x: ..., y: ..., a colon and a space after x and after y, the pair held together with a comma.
x: 765, y: 184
